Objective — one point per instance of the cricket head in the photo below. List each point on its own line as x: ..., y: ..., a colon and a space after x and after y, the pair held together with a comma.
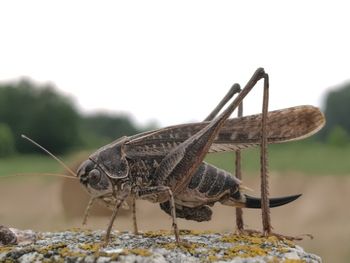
x: 105, y: 169
x: 92, y: 177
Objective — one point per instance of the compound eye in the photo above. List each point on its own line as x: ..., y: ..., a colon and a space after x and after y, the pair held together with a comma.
x: 85, y: 168
x: 94, y: 177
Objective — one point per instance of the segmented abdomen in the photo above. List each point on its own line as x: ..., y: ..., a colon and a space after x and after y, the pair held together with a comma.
x: 213, y: 181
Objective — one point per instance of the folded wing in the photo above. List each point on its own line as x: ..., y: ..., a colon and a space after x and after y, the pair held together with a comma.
x: 238, y: 133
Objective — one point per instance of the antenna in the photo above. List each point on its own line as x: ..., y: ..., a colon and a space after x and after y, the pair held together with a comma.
x: 30, y: 174
x: 49, y: 153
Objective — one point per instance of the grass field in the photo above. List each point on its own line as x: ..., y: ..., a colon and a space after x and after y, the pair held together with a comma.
x: 306, y: 158
x: 31, y: 163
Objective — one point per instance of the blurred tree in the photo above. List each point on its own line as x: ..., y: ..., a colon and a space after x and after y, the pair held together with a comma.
x: 7, y: 144
x: 338, y: 137
x: 51, y: 119
x: 41, y: 113
x: 337, y: 111
x: 102, y: 128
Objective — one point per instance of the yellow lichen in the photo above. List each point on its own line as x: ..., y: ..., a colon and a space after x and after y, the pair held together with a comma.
x: 46, y: 249
x: 283, y: 250
x: 294, y: 261
x: 256, y: 239
x: 212, y: 258
x: 93, y: 247
x: 170, y: 246
x: 194, y: 232
x: 230, y: 238
x: 140, y: 252
x: 184, y: 246
x: 244, y: 251
x: 252, y: 239
x: 112, y: 256
x: 157, y: 233
x: 6, y: 249
x: 191, y: 247
x: 66, y: 252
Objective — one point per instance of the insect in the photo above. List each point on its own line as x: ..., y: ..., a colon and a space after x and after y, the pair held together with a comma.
x: 166, y: 166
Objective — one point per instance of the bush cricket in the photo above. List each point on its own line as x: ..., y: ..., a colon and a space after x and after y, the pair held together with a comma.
x: 166, y: 165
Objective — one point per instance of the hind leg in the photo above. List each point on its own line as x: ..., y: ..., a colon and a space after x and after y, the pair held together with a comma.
x: 161, y: 190
x: 178, y: 165
x: 238, y: 172
x: 203, y: 214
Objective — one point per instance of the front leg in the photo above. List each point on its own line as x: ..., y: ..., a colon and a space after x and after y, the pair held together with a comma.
x: 114, y: 215
x: 134, y: 220
x: 87, y: 210
x: 157, y: 190
x: 118, y: 204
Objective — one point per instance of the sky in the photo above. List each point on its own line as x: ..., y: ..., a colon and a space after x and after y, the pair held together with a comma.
x: 172, y: 61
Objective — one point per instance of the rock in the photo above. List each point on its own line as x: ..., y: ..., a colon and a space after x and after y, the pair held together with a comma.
x: 85, y: 246
x: 24, y: 236
x: 7, y: 237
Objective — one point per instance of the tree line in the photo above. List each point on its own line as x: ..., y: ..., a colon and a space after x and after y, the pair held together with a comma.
x: 337, y: 113
x: 53, y: 120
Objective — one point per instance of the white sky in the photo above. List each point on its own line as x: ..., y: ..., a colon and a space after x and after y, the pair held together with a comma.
x: 172, y: 61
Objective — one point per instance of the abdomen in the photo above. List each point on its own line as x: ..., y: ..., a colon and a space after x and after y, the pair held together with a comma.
x: 208, y: 185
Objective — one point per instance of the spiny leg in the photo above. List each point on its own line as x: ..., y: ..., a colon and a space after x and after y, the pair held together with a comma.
x: 157, y: 190
x: 87, y: 210
x: 266, y: 220
x: 110, y: 225
x: 173, y: 215
x: 238, y: 172
x: 233, y: 90
x: 133, y: 200
x: 178, y: 165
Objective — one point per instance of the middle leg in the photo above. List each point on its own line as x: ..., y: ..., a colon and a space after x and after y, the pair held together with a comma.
x: 158, y: 190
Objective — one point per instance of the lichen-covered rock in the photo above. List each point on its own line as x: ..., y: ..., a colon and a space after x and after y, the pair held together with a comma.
x: 7, y: 237
x: 85, y: 246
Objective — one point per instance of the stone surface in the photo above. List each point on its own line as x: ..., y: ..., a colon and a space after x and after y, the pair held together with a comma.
x: 7, y: 237
x: 85, y: 246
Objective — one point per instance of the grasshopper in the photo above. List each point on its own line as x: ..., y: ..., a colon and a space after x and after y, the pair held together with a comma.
x: 166, y: 166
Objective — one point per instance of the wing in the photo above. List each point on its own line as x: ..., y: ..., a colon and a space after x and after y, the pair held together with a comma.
x: 238, y: 133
